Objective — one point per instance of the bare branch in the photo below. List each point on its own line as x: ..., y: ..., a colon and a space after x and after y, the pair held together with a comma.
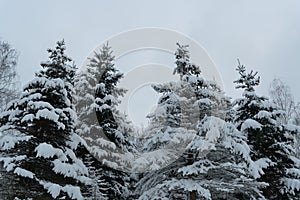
x: 8, y: 75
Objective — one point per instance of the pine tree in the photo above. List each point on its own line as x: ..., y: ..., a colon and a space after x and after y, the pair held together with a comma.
x: 107, y: 95
x: 186, y: 102
x: 219, y: 170
x: 164, y: 121
x: 37, y: 130
x: 206, y: 94
x: 271, y: 143
x: 214, y: 161
x: 101, y: 125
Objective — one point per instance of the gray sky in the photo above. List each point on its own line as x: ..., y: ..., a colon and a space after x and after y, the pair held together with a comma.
x: 264, y: 35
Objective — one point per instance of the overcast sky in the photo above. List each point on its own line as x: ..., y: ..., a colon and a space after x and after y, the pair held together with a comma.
x: 264, y: 35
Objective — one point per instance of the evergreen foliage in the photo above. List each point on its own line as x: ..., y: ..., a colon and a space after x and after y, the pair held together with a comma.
x: 270, y: 142
x: 64, y: 138
x: 42, y: 122
x: 101, y: 125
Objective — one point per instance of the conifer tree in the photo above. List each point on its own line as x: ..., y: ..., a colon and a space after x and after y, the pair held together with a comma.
x: 101, y: 125
x: 186, y: 102
x: 207, y: 95
x: 164, y: 121
x: 107, y: 95
x: 37, y: 129
x: 271, y: 142
x: 215, y: 148
x: 219, y: 170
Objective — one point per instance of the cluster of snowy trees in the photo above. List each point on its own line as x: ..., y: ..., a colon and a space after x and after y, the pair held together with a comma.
x: 64, y: 138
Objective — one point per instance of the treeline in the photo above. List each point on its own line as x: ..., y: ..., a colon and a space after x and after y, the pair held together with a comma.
x: 63, y: 137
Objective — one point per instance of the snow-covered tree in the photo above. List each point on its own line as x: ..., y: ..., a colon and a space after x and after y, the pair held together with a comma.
x: 103, y: 128
x: 107, y: 95
x: 219, y: 170
x: 36, y: 132
x: 281, y: 96
x: 207, y: 95
x: 271, y: 143
x: 296, y: 121
x: 164, y: 121
x: 184, y: 103
x: 214, y: 163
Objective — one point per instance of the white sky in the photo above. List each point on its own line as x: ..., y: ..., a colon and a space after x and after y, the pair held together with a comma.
x: 264, y: 35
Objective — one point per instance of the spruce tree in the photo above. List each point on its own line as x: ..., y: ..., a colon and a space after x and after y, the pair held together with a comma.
x: 164, y: 121
x: 101, y: 126
x: 206, y: 94
x: 215, y: 159
x: 37, y: 130
x: 184, y: 103
x: 106, y: 96
x: 271, y: 142
x: 218, y: 171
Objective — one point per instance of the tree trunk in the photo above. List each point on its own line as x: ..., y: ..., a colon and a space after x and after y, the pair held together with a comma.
x: 193, y: 195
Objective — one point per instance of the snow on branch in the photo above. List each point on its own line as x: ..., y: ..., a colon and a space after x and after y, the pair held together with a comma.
x: 24, y: 172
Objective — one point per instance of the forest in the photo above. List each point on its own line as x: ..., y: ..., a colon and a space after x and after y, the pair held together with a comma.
x: 63, y: 137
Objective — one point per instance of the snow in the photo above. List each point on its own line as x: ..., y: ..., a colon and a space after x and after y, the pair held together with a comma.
x: 39, y: 105
x: 78, y: 164
x: 9, y: 162
x: 296, y: 161
x: 250, y: 123
x: 48, y: 151
x: 189, y: 185
x: 213, y: 134
x: 28, y: 117
x: 263, y: 114
x: 238, y: 146
x: 248, y: 94
x: 31, y: 97
x: 199, y: 167
x: 72, y: 114
x: 201, y: 145
x: 68, y: 168
x: 100, y: 86
x: 102, y: 107
x: 211, y: 130
x: 160, y: 191
x: 11, y: 137
x: 267, y: 105
x: 216, y: 130
x: 294, y: 172
x: 47, y: 114
x: 12, y: 114
x: 256, y: 167
x: 47, y: 83
x: 63, y: 168
x: 292, y: 128
x: 55, y: 189
x: 206, y: 101
x: 292, y: 184
x: 62, y: 165
x: 107, y: 98
x: 74, y: 141
x: 24, y: 172
x: 73, y: 192
x: 153, y: 160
